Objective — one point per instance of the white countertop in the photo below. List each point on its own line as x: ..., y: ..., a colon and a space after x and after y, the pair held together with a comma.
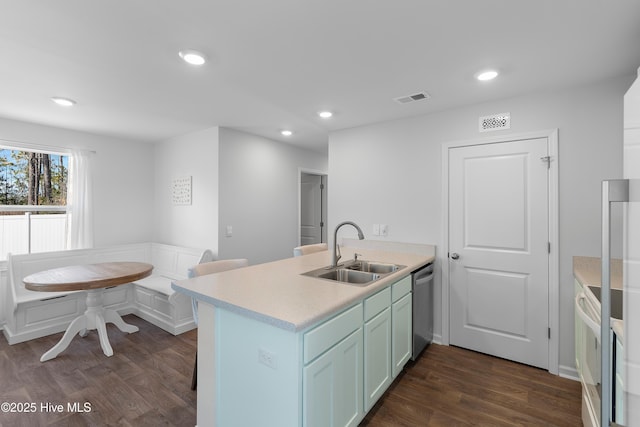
x: 278, y: 294
x: 588, y: 271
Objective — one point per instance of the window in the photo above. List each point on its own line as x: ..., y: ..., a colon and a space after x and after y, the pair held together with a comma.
x: 33, y: 201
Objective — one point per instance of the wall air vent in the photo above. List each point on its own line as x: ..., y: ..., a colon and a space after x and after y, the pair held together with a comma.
x: 420, y: 96
x: 495, y: 122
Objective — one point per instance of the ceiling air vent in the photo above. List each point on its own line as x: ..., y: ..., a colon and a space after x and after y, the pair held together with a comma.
x: 495, y: 122
x: 420, y: 96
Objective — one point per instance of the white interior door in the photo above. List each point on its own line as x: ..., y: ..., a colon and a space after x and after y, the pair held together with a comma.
x: 310, y: 209
x: 498, y: 243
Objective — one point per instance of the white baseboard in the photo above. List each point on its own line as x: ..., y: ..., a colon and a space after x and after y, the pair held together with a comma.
x: 568, y: 372
x: 157, y: 320
x: 437, y: 339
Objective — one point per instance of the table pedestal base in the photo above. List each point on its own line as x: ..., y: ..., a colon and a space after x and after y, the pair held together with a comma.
x: 95, y: 317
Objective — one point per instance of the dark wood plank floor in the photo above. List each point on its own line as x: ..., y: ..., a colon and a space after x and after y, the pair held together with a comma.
x: 147, y: 383
x: 450, y: 386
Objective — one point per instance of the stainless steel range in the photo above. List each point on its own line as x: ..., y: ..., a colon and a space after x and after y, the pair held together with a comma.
x: 589, y: 352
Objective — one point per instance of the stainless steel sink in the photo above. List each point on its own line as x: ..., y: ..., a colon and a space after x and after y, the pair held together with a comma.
x: 373, y: 267
x: 355, y: 272
x: 616, y: 299
x: 349, y: 276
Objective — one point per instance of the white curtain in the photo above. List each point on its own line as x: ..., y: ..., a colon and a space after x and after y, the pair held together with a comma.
x: 79, y: 201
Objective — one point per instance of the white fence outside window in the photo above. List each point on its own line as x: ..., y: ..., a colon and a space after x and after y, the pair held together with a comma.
x: 32, y: 232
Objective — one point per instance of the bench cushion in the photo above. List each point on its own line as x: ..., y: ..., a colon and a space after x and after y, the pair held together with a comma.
x: 160, y: 284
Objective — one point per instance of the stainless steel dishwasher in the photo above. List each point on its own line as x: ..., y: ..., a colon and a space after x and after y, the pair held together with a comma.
x: 422, y: 287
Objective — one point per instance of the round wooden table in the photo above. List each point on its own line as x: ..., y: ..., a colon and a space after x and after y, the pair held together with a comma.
x: 91, y: 278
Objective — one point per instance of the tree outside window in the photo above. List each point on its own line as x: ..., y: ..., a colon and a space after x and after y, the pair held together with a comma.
x: 33, y: 199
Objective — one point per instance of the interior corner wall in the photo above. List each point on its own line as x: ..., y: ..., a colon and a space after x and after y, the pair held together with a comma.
x: 193, y: 155
x: 122, y: 176
x: 259, y: 195
x: 401, y: 162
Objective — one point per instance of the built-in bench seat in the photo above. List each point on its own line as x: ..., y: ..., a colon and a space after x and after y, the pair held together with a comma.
x: 33, y: 314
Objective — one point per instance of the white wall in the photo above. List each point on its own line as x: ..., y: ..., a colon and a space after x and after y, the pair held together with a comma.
x: 122, y: 176
x: 194, y: 155
x: 259, y: 195
x: 390, y: 173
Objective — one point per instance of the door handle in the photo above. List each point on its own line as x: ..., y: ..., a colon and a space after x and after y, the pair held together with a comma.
x: 455, y: 256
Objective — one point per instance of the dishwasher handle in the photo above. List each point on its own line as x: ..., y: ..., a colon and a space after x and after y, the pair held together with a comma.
x: 424, y: 273
x: 424, y: 280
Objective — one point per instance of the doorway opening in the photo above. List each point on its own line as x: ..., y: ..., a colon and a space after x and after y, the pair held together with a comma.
x: 312, y: 211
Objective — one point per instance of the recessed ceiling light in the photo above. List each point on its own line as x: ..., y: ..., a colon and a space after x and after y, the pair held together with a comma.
x: 286, y: 132
x: 487, y: 75
x: 325, y: 114
x: 64, y: 102
x: 192, y: 57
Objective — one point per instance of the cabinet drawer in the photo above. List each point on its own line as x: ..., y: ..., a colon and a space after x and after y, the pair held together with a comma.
x: 324, y: 336
x: 376, y: 303
x: 401, y: 288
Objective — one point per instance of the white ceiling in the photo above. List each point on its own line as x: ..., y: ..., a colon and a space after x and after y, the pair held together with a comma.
x: 273, y: 64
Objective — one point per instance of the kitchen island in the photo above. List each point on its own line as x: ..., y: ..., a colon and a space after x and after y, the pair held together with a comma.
x: 262, y: 328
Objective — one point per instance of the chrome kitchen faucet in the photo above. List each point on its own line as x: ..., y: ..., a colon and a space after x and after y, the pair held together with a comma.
x: 335, y: 256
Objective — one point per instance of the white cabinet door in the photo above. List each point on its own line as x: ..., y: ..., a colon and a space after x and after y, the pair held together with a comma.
x: 377, y: 357
x: 333, y: 385
x: 402, y: 335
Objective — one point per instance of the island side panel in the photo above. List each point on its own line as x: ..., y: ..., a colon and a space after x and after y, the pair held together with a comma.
x: 258, y: 372
x: 206, y: 393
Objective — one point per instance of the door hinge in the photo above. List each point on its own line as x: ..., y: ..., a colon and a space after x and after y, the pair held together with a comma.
x: 549, y: 333
x: 549, y: 247
x: 321, y: 223
x: 547, y: 159
x: 322, y: 186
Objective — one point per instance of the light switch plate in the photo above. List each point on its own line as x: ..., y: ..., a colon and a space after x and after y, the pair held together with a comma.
x: 229, y: 231
x: 376, y: 229
x: 384, y: 230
